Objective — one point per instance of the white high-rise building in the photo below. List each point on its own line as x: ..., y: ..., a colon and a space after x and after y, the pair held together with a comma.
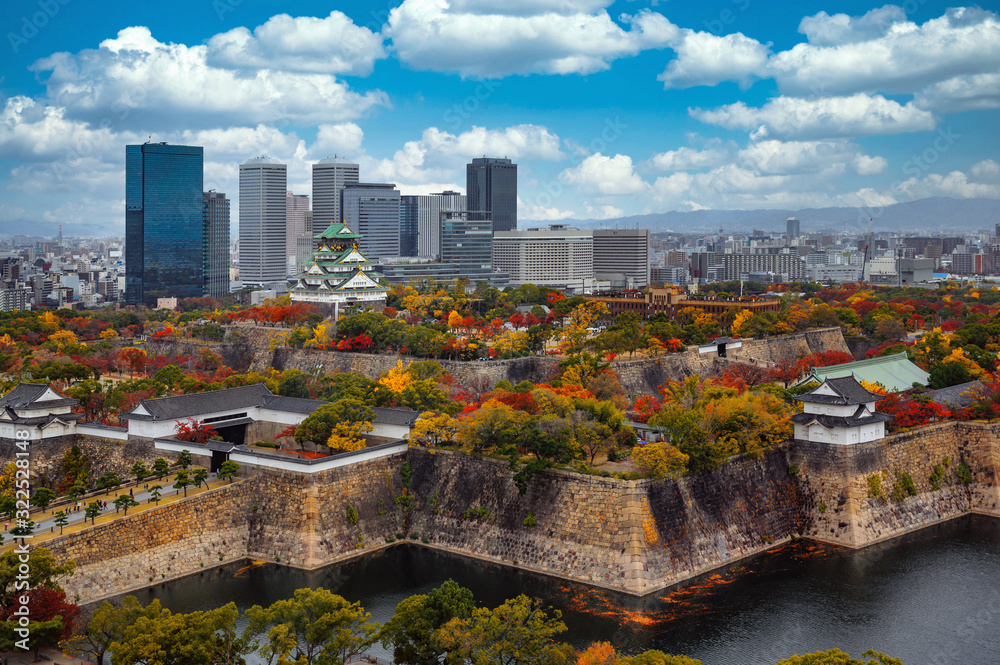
x: 329, y: 177
x: 296, y: 207
x: 263, y: 191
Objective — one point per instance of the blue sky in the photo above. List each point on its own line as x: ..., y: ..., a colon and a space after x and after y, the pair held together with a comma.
x: 609, y: 108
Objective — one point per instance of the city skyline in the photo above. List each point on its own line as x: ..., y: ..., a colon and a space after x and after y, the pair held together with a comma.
x: 608, y: 108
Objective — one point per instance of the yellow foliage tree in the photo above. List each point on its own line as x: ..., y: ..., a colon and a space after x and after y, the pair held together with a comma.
x: 396, y: 379
x: 433, y: 429
x: 660, y: 459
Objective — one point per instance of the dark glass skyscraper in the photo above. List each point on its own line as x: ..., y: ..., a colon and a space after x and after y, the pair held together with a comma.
x: 491, y: 185
x: 164, y: 222
x: 215, y: 245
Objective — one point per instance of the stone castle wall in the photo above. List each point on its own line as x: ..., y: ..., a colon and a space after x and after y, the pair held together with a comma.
x: 632, y: 536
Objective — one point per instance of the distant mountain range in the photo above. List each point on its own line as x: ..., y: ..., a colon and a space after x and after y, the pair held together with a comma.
x: 921, y: 216
x: 924, y: 215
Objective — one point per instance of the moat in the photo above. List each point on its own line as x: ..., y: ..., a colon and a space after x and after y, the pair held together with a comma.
x: 930, y: 597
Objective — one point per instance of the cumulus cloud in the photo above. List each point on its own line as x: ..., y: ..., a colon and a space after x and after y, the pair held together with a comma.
x: 828, y: 117
x: 823, y: 29
x: 904, y: 59
x: 687, y: 159
x: 576, y: 39
x: 707, y: 59
x: 135, y: 80
x: 331, y: 45
x: 790, y: 157
x: 605, y: 175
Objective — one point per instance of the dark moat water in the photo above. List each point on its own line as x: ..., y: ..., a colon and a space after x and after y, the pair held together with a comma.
x: 932, y: 597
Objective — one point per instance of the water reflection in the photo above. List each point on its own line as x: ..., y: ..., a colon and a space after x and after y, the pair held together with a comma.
x: 932, y: 597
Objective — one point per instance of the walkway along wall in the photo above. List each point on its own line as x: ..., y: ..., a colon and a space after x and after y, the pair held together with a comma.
x: 631, y: 536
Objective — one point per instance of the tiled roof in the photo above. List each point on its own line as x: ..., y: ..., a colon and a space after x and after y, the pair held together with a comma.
x: 895, y: 372
x: 25, y: 396
x: 212, y: 401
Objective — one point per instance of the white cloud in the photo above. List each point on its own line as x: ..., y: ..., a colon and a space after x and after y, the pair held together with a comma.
x: 686, y: 159
x: 985, y: 171
x: 135, y: 80
x: 961, y: 93
x: 906, y: 58
x: 829, y: 117
x: 792, y: 157
x: 331, y: 45
x: 431, y: 34
x: 605, y: 175
x: 340, y: 139
x: 707, y: 59
x: 823, y: 29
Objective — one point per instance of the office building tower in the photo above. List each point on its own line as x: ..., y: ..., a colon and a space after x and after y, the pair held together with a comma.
x: 557, y: 257
x: 624, y: 252
x: 329, y: 177
x: 467, y: 241
x: 793, y: 228
x: 263, y: 191
x: 215, y: 243
x: 163, y: 222
x: 427, y: 209
x: 296, y: 207
x: 491, y: 186
x: 372, y: 210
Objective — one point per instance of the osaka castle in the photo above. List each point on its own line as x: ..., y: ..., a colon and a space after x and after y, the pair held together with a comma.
x: 338, y: 272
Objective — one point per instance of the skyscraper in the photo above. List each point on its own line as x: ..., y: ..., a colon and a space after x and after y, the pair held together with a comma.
x: 491, y: 186
x: 263, y: 189
x: 329, y: 177
x: 164, y: 225
x: 372, y: 210
x: 624, y: 251
x: 215, y: 244
x: 296, y: 207
x: 793, y: 228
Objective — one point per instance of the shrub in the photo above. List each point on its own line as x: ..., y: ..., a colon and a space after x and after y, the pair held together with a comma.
x: 875, y: 489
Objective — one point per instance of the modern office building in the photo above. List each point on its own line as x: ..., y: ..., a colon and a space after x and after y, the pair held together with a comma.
x: 263, y: 193
x: 215, y: 243
x: 420, y: 217
x: 329, y: 177
x: 624, y: 251
x: 372, y: 209
x: 491, y: 185
x: 164, y: 222
x: 558, y: 257
x: 296, y: 209
x: 467, y: 241
x: 793, y: 228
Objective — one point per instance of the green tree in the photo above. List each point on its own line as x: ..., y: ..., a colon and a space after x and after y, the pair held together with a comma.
x: 183, y: 481
x: 200, y: 477
x: 519, y: 632
x: 93, y: 510
x: 320, y: 424
x: 108, y: 481
x: 43, y: 571
x: 229, y: 469
x: 61, y: 520
x: 317, y: 626
x: 139, y: 472
x: 413, y: 631
x: 106, y: 626
x: 42, y: 497
x: 184, y: 459
x: 160, y: 468
x: 124, y: 502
